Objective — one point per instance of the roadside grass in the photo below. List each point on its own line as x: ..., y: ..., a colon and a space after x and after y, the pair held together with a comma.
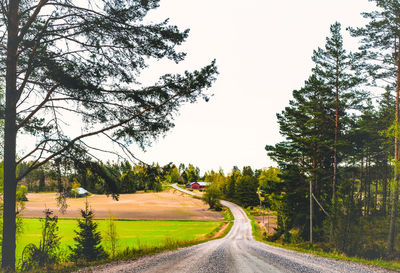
x: 165, y: 187
x: 254, y: 226
x: 305, y: 247
x: 143, y: 249
x: 228, y: 216
x: 176, y: 234
x: 137, y: 237
x: 131, y: 233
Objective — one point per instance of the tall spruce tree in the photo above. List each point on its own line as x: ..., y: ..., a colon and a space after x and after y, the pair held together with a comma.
x: 88, y: 239
x: 82, y: 59
x: 380, y: 45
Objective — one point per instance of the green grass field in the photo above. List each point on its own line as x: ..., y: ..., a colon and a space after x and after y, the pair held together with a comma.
x: 132, y: 233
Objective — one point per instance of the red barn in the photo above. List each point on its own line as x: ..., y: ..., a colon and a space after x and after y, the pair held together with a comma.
x: 200, y: 185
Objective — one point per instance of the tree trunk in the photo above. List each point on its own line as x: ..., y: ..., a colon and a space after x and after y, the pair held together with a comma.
x: 10, y: 131
x: 334, y: 180
x: 311, y: 200
x: 353, y: 180
x: 376, y: 196
x: 395, y: 192
x: 360, y: 192
x: 384, y: 195
x: 368, y: 182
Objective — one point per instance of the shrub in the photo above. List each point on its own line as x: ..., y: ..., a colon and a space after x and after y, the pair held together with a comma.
x: 46, y: 254
x: 211, y: 196
x: 111, y: 235
x: 22, y: 191
x: 218, y: 206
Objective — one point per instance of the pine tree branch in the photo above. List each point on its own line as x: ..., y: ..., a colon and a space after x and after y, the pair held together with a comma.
x: 45, y: 100
x: 31, y: 19
x: 72, y: 142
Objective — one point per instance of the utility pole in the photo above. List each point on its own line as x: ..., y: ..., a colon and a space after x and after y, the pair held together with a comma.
x: 311, y: 212
x: 263, y: 213
x: 261, y: 209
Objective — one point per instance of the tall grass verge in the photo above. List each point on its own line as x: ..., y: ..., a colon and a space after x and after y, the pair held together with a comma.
x: 142, y: 249
x: 307, y: 248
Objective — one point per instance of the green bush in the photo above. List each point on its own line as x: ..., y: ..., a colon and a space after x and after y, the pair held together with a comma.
x: 22, y: 191
x: 211, y: 196
x: 46, y: 254
x: 111, y: 235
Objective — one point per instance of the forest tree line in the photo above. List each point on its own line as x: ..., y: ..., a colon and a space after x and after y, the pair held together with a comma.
x: 240, y: 186
x: 341, y: 134
x: 99, y: 178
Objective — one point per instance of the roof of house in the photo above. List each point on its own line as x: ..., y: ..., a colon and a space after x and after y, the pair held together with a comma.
x: 80, y: 191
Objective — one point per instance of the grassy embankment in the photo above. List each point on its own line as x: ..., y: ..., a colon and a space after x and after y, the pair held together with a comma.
x: 131, y: 233
x: 307, y: 248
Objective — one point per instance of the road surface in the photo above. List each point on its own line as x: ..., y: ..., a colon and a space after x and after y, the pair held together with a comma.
x: 237, y: 252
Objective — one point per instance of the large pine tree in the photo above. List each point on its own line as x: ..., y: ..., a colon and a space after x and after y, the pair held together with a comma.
x: 305, y: 156
x: 335, y: 68
x: 315, y: 125
x: 83, y: 59
x: 380, y: 46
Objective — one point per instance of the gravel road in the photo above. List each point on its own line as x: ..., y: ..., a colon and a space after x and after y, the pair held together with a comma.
x: 237, y: 252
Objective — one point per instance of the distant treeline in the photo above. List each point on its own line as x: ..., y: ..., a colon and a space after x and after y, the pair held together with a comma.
x: 240, y: 186
x: 110, y: 177
x: 245, y: 187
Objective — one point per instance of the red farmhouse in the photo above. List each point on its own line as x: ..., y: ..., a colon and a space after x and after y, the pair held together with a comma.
x: 200, y: 185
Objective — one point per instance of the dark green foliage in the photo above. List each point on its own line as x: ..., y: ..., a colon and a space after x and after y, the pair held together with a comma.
x: 191, y: 174
x: 379, y: 42
x: 231, y: 184
x: 88, y: 239
x: 129, y: 183
x: 381, y: 62
x: 341, y: 141
x: 246, y: 191
x: 247, y: 171
x: 339, y: 72
x: 46, y: 254
x: 292, y: 208
x: 269, y: 180
x: 42, y: 182
x: 317, y: 126
x: 212, y: 196
x: 348, y: 232
x: 22, y: 191
x: 85, y: 61
x: 308, y: 125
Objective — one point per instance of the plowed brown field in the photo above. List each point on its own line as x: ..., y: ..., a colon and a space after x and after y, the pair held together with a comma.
x: 166, y: 205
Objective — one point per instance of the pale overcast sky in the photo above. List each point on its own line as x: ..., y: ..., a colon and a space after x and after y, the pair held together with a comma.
x: 263, y: 50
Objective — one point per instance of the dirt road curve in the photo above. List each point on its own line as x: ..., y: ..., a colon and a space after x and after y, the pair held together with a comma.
x: 238, y: 252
